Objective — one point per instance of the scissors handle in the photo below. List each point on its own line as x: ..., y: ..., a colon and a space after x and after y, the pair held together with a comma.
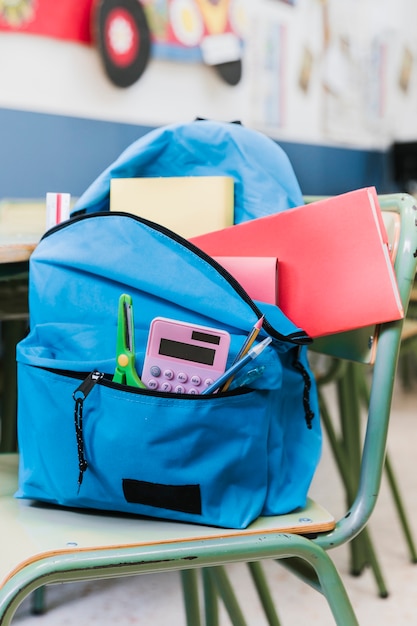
x: 125, y: 372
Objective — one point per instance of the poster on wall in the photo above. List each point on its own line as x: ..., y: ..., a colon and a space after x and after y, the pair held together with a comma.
x: 128, y: 32
x: 268, y: 60
x: 354, y: 70
x: 199, y: 31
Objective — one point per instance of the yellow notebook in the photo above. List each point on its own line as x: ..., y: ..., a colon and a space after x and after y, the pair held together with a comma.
x: 188, y: 205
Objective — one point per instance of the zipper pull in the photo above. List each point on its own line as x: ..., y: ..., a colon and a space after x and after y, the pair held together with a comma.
x: 79, y: 396
x: 87, y: 385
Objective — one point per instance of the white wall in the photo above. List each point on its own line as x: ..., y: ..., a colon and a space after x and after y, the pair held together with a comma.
x: 351, y: 97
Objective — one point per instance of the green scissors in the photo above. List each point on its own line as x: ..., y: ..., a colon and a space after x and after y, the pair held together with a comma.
x: 125, y: 372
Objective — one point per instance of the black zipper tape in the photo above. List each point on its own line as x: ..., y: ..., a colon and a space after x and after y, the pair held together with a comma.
x: 89, y: 379
x: 298, y: 338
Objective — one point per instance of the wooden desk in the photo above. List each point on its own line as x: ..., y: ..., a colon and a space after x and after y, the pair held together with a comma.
x: 15, y: 249
x: 14, y: 267
x: 22, y: 224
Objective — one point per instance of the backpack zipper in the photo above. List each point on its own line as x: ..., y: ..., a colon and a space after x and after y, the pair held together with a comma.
x: 79, y: 395
x: 297, y: 338
x: 90, y: 380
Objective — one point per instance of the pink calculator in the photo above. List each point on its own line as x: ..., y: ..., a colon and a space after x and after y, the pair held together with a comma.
x: 182, y: 357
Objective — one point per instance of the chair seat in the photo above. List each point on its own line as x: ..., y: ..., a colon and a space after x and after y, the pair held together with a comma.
x: 37, y: 531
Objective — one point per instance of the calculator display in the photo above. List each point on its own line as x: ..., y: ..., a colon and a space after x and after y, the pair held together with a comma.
x: 186, y: 351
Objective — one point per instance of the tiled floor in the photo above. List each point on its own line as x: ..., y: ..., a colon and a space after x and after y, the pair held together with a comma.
x: 156, y: 599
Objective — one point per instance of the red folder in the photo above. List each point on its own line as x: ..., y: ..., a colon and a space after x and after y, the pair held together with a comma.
x: 335, y: 273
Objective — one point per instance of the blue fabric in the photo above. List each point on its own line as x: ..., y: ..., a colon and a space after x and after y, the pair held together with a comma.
x: 249, y: 453
x: 264, y: 180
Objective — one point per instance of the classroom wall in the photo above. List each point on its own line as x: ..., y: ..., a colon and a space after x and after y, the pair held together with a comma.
x: 43, y: 152
x: 334, y: 82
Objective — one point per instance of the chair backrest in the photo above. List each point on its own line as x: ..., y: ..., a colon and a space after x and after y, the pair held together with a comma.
x: 384, y: 357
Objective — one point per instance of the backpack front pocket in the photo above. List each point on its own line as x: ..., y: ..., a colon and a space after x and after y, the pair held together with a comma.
x: 200, y: 459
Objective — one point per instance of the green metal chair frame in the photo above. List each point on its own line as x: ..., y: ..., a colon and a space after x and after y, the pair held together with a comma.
x: 36, y: 543
x: 350, y: 378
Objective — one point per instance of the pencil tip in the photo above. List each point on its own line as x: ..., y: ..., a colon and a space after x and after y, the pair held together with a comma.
x: 259, y: 323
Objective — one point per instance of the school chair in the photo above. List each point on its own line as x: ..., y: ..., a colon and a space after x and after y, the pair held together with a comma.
x: 348, y: 365
x: 42, y: 544
x: 351, y: 381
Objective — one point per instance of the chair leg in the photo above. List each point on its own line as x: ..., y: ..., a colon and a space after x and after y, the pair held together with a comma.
x: 38, y: 601
x: 335, y: 592
x: 264, y: 594
x: 361, y: 549
x: 221, y: 583
x: 190, y: 594
x: 350, y: 390
x: 400, y: 509
x: 370, y: 558
x: 211, y: 605
x: 316, y: 568
x: 393, y: 485
x: 325, y: 578
x: 347, y: 453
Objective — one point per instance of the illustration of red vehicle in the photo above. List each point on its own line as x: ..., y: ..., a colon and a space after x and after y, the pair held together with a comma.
x: 127, y: 32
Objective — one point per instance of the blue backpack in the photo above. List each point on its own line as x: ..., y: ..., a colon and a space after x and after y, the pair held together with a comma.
x: 86, y: 440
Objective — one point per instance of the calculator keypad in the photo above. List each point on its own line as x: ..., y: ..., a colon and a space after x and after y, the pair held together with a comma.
x: 175, y: 382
